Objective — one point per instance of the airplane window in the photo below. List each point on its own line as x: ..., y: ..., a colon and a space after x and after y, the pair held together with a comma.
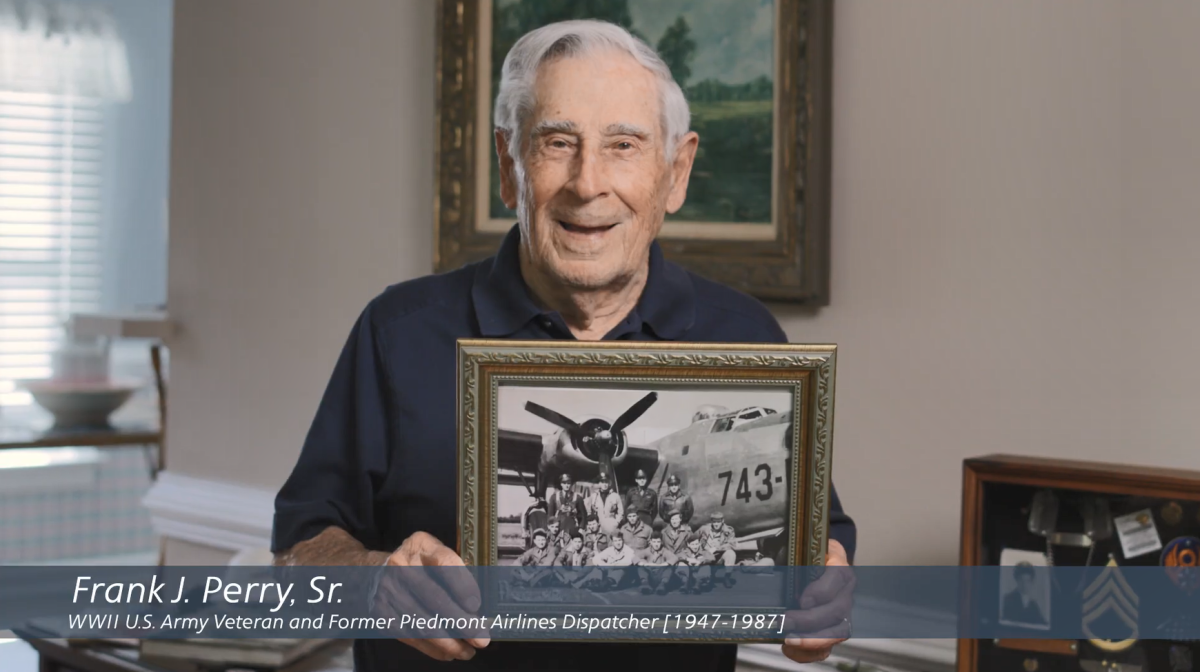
x: 685, y: 450
x: 752, y: 415
x: 723, y: 425
x: 770, y: 411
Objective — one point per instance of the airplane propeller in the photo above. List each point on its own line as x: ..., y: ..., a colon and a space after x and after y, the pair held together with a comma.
x: 634, y: 412
x: 552, y: 417
x: 596, y: 438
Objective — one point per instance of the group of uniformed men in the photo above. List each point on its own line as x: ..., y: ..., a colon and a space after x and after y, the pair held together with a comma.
x: 592, y: 542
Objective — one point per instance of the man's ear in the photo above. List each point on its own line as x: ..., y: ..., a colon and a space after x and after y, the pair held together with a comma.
x: 508, y: 174
x: 681, y: 170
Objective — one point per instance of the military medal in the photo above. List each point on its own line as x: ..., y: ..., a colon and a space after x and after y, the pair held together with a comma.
x: 1172, y: 513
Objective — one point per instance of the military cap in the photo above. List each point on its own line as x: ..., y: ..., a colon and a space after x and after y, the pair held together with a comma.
x: 602, y: 478
x: 539, y: 531
x: 673, y: 479
x: 694, y: 536
x: 592, y: 516
x: 673, y: 512
x: 564, y: 476
x: 657, y: 534
x: 641, y: 473
x: 718, y: 516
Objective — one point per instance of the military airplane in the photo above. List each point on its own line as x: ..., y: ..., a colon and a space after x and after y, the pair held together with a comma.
x: 734, y: 462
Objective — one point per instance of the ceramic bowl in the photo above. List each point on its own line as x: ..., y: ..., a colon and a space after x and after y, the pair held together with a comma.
x: 77, y: 404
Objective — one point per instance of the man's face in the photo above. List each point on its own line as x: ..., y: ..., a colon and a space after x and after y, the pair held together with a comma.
x: 694, y: 545
x: 717, y: 525
x: 1025, y: 585
x: 597, y: 182
x: 674, y: 488
x: 604, y: 487
x: 676, y: 520
x: 656, y: 543
x: 618, y: 541
x: 540, y: 541
x: 631, y: 517
x: 576, y: 543
x: 641, y: 481
x: 593, y: 525
x: 565, y: 485
x: 553, y: 527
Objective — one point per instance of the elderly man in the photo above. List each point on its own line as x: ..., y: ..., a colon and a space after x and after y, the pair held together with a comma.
x: 594, y: 150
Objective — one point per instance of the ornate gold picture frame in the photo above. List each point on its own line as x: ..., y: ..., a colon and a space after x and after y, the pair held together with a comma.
x: 762, y: 227
x: 560, y: 439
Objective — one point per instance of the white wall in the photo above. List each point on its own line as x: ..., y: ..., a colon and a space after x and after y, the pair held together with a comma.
x: 1014, y: 249
x: 301, y: 186
x: 1013, y: 214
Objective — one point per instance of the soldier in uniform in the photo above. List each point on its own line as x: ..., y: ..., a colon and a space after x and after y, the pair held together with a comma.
x: 593, y: 538
x: 642, y: 499
x: 718, y: 540
x: 572, y: 562
x: 675, y: 534
x: 566, y: 506
x: 611, y: 570
x: 534, y: 517
x: 675, y: 500
x: 635, y: 531
x: 533, y: 562
x: 655, y: 565
x: 606, y: 505
x: 694, y: 566
x: 556, y: 539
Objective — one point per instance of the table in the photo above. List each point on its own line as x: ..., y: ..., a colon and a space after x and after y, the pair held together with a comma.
x: 58, y: 655
x: 37, y: 433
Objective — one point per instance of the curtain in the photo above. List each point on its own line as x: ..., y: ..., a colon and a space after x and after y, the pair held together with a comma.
x: 64, y: 48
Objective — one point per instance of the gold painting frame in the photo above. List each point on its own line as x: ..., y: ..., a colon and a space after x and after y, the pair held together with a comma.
x: 808, y: 370
x: 789, y: 262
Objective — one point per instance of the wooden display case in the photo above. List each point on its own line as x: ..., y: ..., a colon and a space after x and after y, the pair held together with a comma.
x: 998, y: 499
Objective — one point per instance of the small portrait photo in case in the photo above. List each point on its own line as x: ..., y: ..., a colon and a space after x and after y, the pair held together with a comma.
x: 1024, y: 589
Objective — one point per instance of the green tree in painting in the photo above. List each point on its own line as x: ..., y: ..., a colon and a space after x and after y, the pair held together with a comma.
x: 676, y: 47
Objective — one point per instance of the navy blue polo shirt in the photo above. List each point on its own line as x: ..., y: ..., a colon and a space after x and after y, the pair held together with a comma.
x: 380, y: 458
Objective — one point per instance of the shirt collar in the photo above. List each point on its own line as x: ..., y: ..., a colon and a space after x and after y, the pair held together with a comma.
x: 503, y: 303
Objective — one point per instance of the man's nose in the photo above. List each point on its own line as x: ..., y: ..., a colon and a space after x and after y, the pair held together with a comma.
x: 590, y: 178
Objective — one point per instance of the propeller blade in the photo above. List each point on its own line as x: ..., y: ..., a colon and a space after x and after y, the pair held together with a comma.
x: 553, y: 417
x: 634, y: 412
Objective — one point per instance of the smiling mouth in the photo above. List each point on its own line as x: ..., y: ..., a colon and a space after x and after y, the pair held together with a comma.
x: 585, y: 230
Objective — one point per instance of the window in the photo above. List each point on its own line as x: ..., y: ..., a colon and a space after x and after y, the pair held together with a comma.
x: 51, y: 158
x: 83, y: 165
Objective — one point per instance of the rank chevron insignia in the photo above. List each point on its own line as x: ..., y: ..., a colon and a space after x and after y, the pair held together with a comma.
x: 1111, y: 594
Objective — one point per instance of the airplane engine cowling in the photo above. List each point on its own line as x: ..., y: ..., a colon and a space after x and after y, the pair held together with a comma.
x: 579, y: 455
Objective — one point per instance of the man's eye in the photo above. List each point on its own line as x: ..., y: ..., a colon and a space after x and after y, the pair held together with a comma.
x: 558, y: 144
x: 624, y: 145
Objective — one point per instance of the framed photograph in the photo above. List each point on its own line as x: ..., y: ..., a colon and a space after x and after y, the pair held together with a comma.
x: 1024, y: 589
x: 756, y: 74
x: 620, y: 475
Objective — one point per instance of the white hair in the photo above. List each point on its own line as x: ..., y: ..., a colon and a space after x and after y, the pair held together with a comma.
x: 565, y: 39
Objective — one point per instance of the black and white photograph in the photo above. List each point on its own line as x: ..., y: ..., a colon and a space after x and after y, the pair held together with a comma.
x: 1024, y: 589
x: 640, y: 490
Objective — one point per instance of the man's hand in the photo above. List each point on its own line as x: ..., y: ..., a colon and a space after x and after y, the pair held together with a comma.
x: 457, y: 598
x: 824, y: 614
